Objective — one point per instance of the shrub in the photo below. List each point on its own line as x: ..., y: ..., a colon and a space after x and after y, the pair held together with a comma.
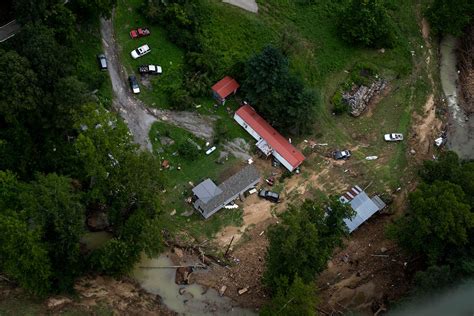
x: 339, y: 105
x: 179, y: 98
x: 221, y: 131
x: 367, y: 23
x: 188, y: 151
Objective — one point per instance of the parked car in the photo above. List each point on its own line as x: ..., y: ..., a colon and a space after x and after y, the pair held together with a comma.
x: 140, y: 51
x: 139, y: 32
x: 341, y: 154
x: 134, y: 84
x: 102, y: 61
x: 269, y: 195
x: 270, y: 181
x: 393, y: 137
x: 150, y: 69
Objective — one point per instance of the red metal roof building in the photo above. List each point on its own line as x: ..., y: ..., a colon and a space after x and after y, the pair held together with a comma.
x: 269, y: 141
x: 225, y: 87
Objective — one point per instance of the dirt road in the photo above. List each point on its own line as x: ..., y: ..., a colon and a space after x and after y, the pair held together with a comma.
x: 137, y: 115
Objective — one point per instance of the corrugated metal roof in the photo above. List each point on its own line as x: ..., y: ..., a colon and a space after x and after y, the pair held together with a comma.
x: 230, y: 189
x: 206, y: 190
x: 274, y: 139
x: 364, y: 207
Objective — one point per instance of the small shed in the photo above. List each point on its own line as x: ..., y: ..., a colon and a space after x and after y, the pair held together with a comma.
x: 224, y: 88
x: 362, y: 204
x: 210, y: 198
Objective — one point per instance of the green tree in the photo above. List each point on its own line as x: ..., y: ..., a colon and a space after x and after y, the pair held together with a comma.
x: 94, y: 8
x: 264, y: 73
x: 367, y: 23
x: 116, y: 257
x: 450, y: 16
x: 18, y: 92
x: 53, y: 206
x: 22, y: 255
x: 438, y: 219
x: 63, y: 22
x: 296, y: 298
x: 304, y: 241
x: 278, y: 95
x: 47, y: 57
x: 188, y: 150
x: 450, y: 168
x: 41, y: 224
x: 33, y: 10
x: 115, y: 172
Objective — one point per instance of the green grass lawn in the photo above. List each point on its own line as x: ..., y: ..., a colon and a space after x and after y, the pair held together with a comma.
x: 88, y: 46
x: 163, y: 52
x: 178, y: 181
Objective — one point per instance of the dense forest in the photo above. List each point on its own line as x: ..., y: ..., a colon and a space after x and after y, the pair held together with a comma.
x: 65, y: 156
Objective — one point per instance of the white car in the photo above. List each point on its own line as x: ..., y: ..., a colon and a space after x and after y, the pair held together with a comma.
x: 140, y: 51
x: 393, y: 137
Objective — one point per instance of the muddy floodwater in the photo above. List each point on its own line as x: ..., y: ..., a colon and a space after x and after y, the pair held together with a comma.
x: 95, y: 240
x: 460, y: 126
x: 194, y: 300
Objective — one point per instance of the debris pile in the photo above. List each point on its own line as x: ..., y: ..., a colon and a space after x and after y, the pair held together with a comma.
x: 359, y: 96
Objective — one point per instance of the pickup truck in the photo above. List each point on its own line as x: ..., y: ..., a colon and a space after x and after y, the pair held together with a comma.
x: 140, y: 51
x: 341, y: 154
x: 150, y: 69
x: 139, y: 32
x: 393, y: 137
x: 269, y: 195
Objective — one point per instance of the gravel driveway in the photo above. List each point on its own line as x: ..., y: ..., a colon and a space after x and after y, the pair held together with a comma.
x: 135, y: 113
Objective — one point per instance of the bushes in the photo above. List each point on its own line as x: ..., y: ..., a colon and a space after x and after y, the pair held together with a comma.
x: 339, y: 105
x: 279, y: 96
x: 222, y: 132
x: 367, y: 23
x: 188, y: 151
x: 304, y: 241
x: 179, y: 98
x: 450, y: 16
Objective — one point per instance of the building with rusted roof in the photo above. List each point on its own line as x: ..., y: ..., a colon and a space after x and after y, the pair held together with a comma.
x: 224, y: 88
x: 269, y: 141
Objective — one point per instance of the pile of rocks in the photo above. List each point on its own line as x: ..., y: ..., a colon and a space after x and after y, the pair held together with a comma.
x: 359, y: 96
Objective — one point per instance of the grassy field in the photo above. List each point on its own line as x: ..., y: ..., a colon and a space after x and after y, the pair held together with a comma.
x: 166, y: 140
x: 163, y: 52
x: 88, y: 46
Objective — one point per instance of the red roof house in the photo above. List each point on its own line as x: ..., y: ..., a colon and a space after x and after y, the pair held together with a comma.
x: 269, y: 141
x: 224, y: 88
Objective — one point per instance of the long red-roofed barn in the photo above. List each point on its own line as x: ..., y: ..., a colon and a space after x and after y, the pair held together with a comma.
x: 224, y: 88
x: 269, y: 141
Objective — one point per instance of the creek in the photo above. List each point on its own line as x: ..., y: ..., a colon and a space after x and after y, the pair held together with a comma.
x: 194, y: 300
x: 460, y: 126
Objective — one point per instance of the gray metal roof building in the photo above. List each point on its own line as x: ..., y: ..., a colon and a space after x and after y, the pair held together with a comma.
x: 363, y: 206
x: 211, y: 198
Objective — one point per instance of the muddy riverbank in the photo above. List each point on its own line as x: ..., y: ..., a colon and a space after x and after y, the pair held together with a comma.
x: 157, y: 276
x: 460, y: 124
